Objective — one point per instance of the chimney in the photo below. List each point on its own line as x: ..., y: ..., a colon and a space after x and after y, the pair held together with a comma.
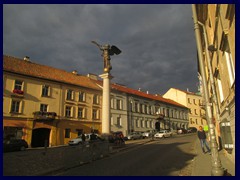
x: 74, y: 72
x: 139, y: 89
x: 92, y: 76
x: 147, y: 92
x: 26, y: 58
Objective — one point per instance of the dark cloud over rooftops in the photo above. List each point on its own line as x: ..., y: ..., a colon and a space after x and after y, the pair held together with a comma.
x: 157, y: 41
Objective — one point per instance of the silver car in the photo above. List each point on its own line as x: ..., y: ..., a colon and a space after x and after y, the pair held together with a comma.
x: 134, y: 135
x: 78, y: 140
x: 163, y: 134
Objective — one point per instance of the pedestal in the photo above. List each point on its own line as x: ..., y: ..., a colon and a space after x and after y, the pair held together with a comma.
x: 106, y: 103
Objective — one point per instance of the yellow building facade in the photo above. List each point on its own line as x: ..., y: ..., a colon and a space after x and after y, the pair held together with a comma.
x: 218, y: 21
x: 47, y: 106
x: 193, y: 101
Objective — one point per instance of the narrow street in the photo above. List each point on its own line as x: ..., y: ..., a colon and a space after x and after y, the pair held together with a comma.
x: 163, y: 157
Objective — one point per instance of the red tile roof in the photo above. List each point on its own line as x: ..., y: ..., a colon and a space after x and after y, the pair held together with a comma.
x: 20, y: 66
x: 142, y: 94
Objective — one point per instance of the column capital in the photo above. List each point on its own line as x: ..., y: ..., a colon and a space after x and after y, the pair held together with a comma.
x: 105, y: 76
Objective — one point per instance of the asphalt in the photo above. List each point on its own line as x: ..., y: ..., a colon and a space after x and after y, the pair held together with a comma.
x: 200, y: 165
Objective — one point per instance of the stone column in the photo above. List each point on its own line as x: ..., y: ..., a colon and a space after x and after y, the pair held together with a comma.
x: 106, y: 103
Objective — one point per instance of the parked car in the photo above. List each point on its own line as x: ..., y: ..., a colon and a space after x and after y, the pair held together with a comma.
x: 89, y: 138
x: 14, y: 145
x: 191, y: 130
x: 181, y: 131
x: 93, y: 137
x: 149, y: 133
x: 163, y: 134
x: 134, y: 135
x: 76, y: 141
x: 117, y: 136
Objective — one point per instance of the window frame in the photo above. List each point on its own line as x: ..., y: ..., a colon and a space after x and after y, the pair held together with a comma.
x: 45, y: 90
x: 95, y: 114
x: 82, y: 113
x: 68, y: 111
x: 44, y: 106
x: 18, y: 86
x: 82, y: 96
x: 69, y: 95
x: 17, y: 108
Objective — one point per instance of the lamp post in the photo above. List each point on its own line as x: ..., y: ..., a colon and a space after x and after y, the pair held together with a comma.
x: 107, y: 51
x: 217, y: 169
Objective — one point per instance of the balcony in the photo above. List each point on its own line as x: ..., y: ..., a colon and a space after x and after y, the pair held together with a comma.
x: 40, y: 115
x: 18, y: 93
x: 160, y: 116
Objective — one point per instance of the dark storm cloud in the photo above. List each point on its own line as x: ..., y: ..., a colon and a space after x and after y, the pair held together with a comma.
x: 157, y: 41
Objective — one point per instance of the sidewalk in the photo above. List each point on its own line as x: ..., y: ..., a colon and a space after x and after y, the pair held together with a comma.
x: 202, y: 163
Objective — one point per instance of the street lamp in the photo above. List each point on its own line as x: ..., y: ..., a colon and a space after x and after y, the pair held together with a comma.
x: 217, y: 169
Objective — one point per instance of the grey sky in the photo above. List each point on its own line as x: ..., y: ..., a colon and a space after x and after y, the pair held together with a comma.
x: 157, y: 41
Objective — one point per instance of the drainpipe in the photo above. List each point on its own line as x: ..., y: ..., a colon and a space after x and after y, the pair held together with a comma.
x: 217, y: 169
x: 210, y: 70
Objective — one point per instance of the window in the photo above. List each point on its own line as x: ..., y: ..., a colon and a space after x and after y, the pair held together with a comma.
x: 18, y: 85
x: 68, y: 112
x: 195, y: 111
x: 189, y: 100
x: 142, y: 108
x: 82, y: 96
x: 172, y: 113
x: 225, y: 128
x: 191, y: 121
x: 142, y: 123
x: 146, y: 109
x: 45, y: 90
x: 231, y: 70
x: 95, y: 99
x: 119, y: 104
x: 146, y: 124
x: 95, y: 114
x: 111, y: 120
x: 224, y: 46
x: 136, y: 107
x: 13, y: 132
x: 137, y: 123
x: 220, y: 88
x: 152, y: 110
x: 194, y: 101
x: 119, y: 121
x: 131, y: 107
x: 112, y: 103
x: 80, y: 112
x: 43, y: 107
x: 69, y: 94
x: 164, y: 111
x: 177, y: 114
x: 15, y: 108
x: 79, y: 131
x: 168, y: 114
x: 67, y: 133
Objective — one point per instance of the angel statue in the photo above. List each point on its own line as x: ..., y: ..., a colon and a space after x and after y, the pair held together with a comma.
x: 107, y: 51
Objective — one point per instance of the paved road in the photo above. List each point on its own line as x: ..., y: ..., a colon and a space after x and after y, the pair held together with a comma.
x: 164, y: 157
